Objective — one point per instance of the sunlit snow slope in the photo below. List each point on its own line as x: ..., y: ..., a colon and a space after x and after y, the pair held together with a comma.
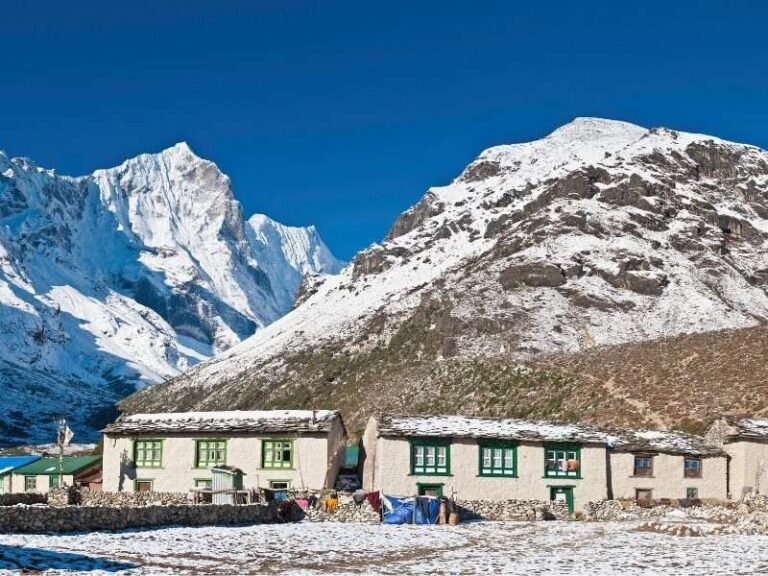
x: 127, y: 277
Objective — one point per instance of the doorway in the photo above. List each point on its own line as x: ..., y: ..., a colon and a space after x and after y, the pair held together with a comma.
x: 562, y: 494
x: 434, y: 490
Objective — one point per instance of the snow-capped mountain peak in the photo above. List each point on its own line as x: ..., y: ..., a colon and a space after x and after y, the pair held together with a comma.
x: 600, y: 233
x: 129, y: 276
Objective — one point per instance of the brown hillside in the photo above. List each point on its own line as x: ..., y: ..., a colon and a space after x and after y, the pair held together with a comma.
x: 679, y: 382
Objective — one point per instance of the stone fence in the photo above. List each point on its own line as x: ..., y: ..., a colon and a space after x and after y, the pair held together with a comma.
x: 511, y: 510
x: 132, y: 499
x: 74, y: 518
x: 27, y: 499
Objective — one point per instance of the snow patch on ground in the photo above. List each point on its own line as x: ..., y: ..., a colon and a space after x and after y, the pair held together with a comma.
x: 504, y: 548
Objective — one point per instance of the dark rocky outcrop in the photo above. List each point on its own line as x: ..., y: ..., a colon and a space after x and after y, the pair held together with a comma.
x: 534, y: 274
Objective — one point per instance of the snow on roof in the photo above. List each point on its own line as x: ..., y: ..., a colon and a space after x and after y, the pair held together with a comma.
x: 262, y: 421
x: 668, y: 442
x: 621, y: 440
x: 750, y: 427
x: 474, y: 427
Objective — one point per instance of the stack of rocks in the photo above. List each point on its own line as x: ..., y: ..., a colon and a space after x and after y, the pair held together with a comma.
x: 346, y: 510
x: 511, y: 510
x: 130, y: 499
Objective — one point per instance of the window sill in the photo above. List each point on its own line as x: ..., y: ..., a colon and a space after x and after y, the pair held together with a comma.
x: 438, y: 474
x: 563, y: 477
x: 636, y: 476
x: 481, y: 475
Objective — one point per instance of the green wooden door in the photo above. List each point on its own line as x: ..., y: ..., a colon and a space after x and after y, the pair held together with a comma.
x: 562, y: 494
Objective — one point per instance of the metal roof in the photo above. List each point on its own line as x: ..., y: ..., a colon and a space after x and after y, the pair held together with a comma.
x: 50, y: 466
x: 10, y: 463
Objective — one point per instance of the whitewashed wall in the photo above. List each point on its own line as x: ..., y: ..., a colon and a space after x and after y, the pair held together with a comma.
x: 668, y: 479
x: 388, y: 468
x: 316, y: 461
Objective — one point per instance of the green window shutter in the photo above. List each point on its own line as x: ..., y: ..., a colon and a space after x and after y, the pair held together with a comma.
x: 562, y: 460
x: 53, y: 481
x: 498, y: 459
x: 148, y: 453
x: 277, y: 454
x: 430, y: 457
x: 210, y: 453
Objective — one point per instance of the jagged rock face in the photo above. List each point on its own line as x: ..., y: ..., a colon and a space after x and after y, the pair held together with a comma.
x: 599, y: 234
x: 127, y: 277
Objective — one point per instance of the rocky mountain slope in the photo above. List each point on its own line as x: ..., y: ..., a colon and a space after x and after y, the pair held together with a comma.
x: 127, y: 277
x: 601, y: 233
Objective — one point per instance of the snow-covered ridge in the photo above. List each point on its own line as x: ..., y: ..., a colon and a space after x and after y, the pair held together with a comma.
x: 130, y: 276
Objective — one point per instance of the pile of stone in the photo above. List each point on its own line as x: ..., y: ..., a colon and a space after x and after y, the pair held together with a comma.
x: 133, y: 499
x: 749, y: 516
x: 511, y: 510
x: 346, y: 511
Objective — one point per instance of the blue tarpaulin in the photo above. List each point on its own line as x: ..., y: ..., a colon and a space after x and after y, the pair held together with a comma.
x: 400, y: 510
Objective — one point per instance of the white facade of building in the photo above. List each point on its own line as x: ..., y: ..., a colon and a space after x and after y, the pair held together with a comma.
x: 746, y: 442
x: 175, y: 452
x: 506, y: 459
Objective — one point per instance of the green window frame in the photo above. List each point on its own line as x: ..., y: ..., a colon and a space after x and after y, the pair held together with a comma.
x: 30, y: 483
x: 691, y: 493
x: 430, y: 457
x: 53, y: 481
x: 204, y: 483
x: 277, y: 454
x: 422, y: 489
x: 497, y: 459
x: 562, y: 460
x: 210, y: 452
x: 148, y: 453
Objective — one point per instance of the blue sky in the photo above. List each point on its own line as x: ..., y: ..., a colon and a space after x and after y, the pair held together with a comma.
x: 342, y: 114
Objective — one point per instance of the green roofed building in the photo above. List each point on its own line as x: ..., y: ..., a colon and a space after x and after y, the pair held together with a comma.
x: 44, y: 474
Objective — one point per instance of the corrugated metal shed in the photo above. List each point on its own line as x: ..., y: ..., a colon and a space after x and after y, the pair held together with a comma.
x: 225, y: 481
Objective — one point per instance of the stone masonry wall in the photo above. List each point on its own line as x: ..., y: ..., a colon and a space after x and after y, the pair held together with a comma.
x: 25, y: 498
x: 511, y: 510
x: 129, y: 499
x: 73, y: 518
